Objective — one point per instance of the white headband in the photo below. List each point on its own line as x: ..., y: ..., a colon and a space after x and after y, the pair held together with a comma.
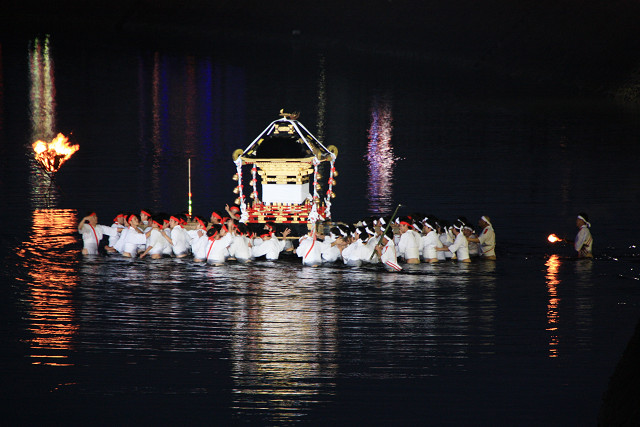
x: 484, y: 218
x: 585, y: 221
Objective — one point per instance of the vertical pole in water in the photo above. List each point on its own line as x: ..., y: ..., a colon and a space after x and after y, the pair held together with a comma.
x: 189, y: 187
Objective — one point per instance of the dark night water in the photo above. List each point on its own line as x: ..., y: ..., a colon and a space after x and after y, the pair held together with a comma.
x: 530, y: 339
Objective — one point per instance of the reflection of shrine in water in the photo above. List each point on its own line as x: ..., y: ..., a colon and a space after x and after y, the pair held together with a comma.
x: 380, y: 158
x: 284, y: 345
x: 51, y: 267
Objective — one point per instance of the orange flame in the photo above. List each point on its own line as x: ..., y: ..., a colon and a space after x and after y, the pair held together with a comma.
x: 553, y: 238
x: 52, y: 155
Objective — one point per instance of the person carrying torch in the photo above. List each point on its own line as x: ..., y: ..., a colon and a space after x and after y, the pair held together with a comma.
x: 583, y: 243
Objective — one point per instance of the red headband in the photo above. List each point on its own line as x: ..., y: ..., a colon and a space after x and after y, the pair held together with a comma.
x: 201, y: 222
x: 405, y: 223
x: 262, y: 236
x: 156, y: 222
x: 131, y: 216
x: 175, y: 219
x: 145, y: 212
x: 213, y: 237
x: 234, y: 208
x: 93, y: 214
x: 116, y: 218
x: 216, y: 215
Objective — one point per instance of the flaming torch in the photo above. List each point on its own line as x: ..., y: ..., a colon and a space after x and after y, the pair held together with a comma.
x: 52, y: 155
x: 554, y: 239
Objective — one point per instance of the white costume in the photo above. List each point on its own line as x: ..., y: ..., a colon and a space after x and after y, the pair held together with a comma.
x: 460, y: 247
x: 199, y: 248
x: 194, y: 235
x: 355, y: 253
x: 119, y: 246
x: 409, y: 245
x: 371, y: 247
x: 91, y: 236
x: 239, y: 248
x: 156, y: 242
x: 584, y: 242
x: 446, y: 240
x: 113, y: 238
x: 487, y: 241
x: 429, y: 243
x: 310, y: 250
x: 330, y: 253
x: 389, y: 258
x: 134, y: 242
x: 271, y: 248
x: 179, y: 240
x: 218, y: 250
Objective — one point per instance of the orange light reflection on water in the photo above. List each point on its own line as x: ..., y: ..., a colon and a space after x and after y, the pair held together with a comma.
x: 553, y: 313
x: 52, y: 266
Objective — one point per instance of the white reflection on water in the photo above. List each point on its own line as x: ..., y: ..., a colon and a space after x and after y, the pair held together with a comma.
x: 42, y: 103
x: 284, y: 343
x: 380, y: 157
x: 52, y: 267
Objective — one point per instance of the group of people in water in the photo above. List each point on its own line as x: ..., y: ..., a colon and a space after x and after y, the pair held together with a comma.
x: 383, y: 240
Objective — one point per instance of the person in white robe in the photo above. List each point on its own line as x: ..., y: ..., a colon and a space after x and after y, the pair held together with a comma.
x: 357, y: 252
x: 387, y: 252
x: 430, y: 241
x: 409, y: 244
x: 135, y: 240
x: 583, y: 243
x: 310, y: 248
x: 486, y: 240
x: 217, y: 249
x: 330, y: 249
x: 92, y: 233
x: 177, y: 237
x: 156, y: 243
x: 460, y: 246
x: 270, y: 247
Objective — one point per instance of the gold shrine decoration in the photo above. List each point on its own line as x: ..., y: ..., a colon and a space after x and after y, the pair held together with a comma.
x: 285, y: 171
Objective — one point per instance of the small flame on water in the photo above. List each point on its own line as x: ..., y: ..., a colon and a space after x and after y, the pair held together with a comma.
x: 553, y: 238
x: 53, y: 154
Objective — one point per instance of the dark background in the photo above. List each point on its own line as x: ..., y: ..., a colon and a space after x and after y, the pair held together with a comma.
x: 581, y: 47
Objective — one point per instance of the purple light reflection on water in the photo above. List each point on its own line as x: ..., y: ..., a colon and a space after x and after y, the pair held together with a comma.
x: 380, y: 158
